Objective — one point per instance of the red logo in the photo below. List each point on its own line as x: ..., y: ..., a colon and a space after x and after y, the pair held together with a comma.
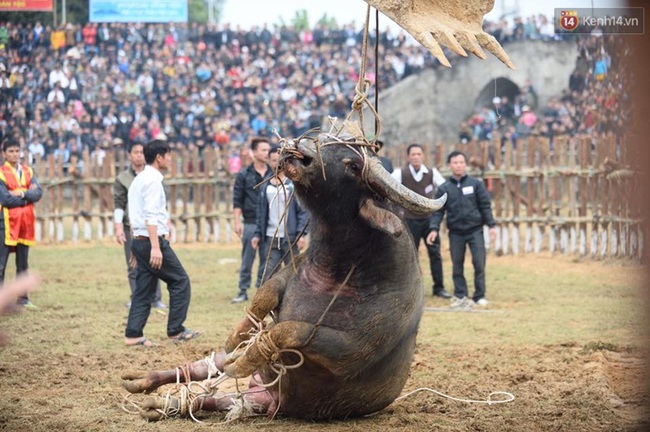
x: 569, y: 20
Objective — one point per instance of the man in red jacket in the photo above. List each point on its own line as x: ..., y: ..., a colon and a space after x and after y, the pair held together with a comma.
x: 19, y: 190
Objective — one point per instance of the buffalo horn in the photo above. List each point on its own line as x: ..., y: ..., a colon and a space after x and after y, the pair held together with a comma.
x: 383, y: 183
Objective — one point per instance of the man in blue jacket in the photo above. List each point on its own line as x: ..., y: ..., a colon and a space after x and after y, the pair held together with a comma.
x: 468, y: 208
x: 281, y: 221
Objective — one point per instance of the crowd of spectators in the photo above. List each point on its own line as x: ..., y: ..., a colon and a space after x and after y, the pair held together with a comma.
x: 594, y: 102
x: 73, y: 87
x: 76, y: 87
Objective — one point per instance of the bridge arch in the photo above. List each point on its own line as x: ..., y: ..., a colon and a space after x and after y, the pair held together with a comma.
x: 498, y: 87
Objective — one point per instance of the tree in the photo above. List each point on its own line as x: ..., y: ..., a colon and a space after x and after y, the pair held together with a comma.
x: 199, y: 10
x: 327, y: 22
x: 300, y: 20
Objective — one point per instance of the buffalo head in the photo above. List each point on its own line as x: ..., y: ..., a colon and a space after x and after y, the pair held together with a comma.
x: 340, y: 178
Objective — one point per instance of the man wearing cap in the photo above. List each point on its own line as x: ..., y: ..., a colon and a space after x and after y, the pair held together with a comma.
x: 152, y: 251
x: 120, y: 216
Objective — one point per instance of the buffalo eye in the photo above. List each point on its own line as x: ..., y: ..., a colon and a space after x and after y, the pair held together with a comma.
x: 355, y: 167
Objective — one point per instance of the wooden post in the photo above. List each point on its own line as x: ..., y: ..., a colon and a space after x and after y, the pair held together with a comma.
x: 210, y: 158
x: 572, y: 178
x: 39, y: 171
x: 543, y: 190
x: 605, y: 189
x: 88, y: 197
x: 594, y: 203
x: 614, y: 204
x: 584, y: 143
x: 530, y: 183
x: 76, y: 210
x: 51, y: 203
x: 221, y: 172
x: 515, y: 184
x: 60, y: 235
x: 225, y: 191
x: 556, y: 201
x: 506, y: 167
x: 439, y: 158
x: 185, y: 191
x: 196, y: 194
x: 173, y: 195
x: 111, y: 173
x: 102, y: 171
x: 498, y: 193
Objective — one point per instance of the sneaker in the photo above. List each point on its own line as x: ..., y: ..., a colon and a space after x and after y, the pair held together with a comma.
x: 456, y: 301
x: 159, y: 305
x: 240, y: 298
x: 29, y: 305
x: 461, y: 303
x: 442, y: 294
x: 481, y: 302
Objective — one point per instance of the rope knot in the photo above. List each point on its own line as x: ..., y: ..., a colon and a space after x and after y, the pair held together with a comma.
x: 267, y: 348
x: 361, y: 94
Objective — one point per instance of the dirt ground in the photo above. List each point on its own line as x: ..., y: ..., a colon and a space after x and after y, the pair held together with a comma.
x: 563, y: 388
x: 58, y: 375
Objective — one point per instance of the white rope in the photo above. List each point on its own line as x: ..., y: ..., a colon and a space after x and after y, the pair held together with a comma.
x: 212, y: 367
x: 488, y: 401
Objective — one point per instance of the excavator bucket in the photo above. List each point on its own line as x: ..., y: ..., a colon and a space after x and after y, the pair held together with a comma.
x: 456, y: 24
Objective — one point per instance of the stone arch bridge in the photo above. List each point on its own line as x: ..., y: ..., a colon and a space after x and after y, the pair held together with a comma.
x: 427, y: 108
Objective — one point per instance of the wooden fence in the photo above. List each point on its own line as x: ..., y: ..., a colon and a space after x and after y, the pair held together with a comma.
x: 570, y: 197
x: 574, y: 196
x: 78, y: 199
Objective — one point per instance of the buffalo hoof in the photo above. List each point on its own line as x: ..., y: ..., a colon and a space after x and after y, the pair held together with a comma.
x: 138, y: 381
x: 153, y: 408
x: 237, y: 365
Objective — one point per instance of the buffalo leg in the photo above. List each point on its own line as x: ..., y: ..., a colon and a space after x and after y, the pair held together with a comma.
x: 284, y: 335
x: 145, y: 382
x: 262, y: 401
x: 266, y: 299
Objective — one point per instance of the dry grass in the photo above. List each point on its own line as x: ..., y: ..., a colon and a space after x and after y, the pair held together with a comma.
x: 565, y: 336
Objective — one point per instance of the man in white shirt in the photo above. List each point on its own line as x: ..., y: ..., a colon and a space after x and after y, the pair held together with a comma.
x: 155, y: 257
x: 417, y: 177
x: 56, y: 95
x: 120, y: 214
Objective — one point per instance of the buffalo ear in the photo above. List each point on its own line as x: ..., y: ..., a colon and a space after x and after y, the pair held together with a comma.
x: 381, y: 219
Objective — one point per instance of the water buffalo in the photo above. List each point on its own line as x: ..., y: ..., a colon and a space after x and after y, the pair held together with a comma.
x: 347, y: 312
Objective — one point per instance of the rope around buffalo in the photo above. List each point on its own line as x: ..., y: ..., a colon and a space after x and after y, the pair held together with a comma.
x: 363, y: 87
x: 489, y: 401
x: 180, y: 400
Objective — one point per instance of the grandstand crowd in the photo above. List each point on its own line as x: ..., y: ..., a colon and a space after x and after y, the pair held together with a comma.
x: 594, y: 102
x: 79, y: 86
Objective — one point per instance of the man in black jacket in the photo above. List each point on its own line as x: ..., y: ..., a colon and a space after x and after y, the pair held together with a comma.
x: 468, y: 208
x: 245, y: 198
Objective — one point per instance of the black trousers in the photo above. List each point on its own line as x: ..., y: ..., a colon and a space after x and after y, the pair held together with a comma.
x: 133, y: 271
x: 458, y: 245
x: 146, y: 281
x: 22, y: 256
x: 419, y: 230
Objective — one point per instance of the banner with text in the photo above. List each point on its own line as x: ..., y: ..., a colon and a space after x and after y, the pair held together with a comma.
x: 25, y: 5
x: 148, y: 11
